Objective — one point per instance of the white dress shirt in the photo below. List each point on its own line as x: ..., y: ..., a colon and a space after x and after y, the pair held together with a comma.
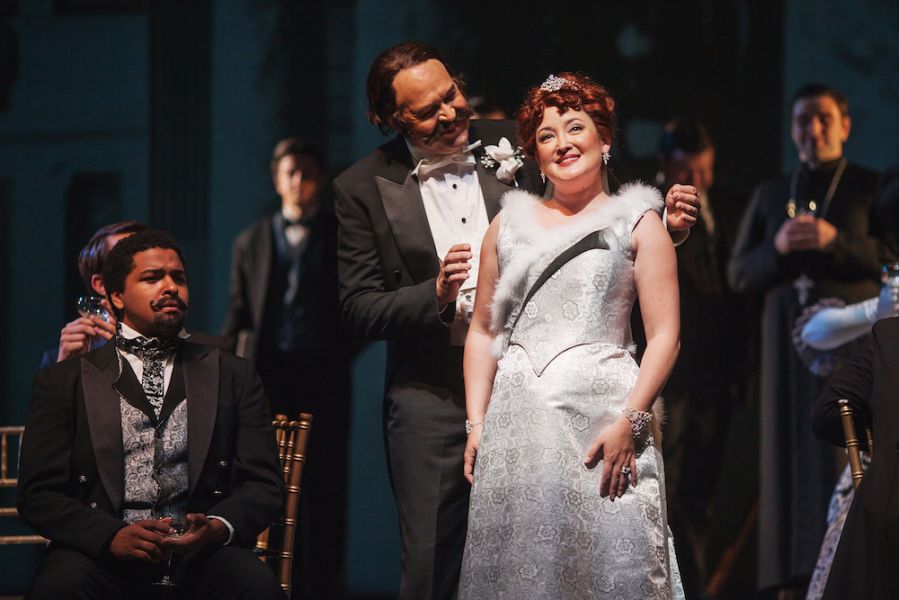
x: 454, y: 205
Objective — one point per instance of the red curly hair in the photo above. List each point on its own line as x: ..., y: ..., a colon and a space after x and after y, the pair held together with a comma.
x: 579, y: 93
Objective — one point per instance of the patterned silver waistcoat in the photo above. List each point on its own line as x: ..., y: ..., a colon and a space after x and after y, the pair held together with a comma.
x: 155, y: 450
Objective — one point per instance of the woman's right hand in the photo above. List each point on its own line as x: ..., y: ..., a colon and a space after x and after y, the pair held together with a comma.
x: 471, y: 452
x: 615, y: 446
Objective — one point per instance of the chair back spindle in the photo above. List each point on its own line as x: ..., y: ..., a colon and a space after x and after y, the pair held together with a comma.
x: 11, y: 437
x: 293, y: 439
x: 853, y: 445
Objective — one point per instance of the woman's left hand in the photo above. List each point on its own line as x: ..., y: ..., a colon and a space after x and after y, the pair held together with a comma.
x: 615, y: 447
x: 682, y: 202
x: 471, y: 452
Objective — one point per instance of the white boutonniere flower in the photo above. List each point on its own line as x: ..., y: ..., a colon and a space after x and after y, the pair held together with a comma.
x: 506, y: 159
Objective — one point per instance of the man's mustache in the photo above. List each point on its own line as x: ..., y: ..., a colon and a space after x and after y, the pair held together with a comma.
x: 158, y: 305
x: 462, y: 114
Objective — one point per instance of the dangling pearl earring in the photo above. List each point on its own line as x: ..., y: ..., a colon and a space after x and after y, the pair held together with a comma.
x: 543, y: 176
x: 605, y: 158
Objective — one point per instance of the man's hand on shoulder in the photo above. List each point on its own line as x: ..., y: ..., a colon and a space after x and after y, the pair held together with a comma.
x: 141, y: 540
x: 202, y: 532
x: 682, y: 202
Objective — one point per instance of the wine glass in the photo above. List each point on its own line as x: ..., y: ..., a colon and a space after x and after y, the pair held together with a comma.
x: 179, y: 528
x: 91, y: 306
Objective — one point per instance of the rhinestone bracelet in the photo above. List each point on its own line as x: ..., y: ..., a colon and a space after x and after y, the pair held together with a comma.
x: 639, y: 419
x: 469, y: 426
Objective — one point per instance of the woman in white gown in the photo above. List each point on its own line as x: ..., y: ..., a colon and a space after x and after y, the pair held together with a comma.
x: 568, y: 497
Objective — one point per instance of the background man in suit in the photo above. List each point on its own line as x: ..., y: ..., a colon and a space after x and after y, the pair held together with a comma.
x: 151, y: 426
x: 83, y: 334
x: 712, y: 367
x: 284, y: 295
x: 412, y: 215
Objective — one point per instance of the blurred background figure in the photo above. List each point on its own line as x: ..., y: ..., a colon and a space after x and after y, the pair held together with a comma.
x: 827, y: 335
x: 716, y: 331
x: 485, y: 107
x: 809, y: 235
x: 283, y: 316
x: 91, y: 331
x: 864, y: 560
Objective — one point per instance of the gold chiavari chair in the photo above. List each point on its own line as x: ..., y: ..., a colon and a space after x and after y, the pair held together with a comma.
x: 853, y: 444
x: 10, y: 447
x: 275, y: 544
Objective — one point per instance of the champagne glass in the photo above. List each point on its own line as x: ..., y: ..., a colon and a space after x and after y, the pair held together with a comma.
x: 91, y: 306
x: 179, y: 528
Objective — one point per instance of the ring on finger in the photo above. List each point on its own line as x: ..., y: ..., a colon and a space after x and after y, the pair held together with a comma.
x: 625, y: 470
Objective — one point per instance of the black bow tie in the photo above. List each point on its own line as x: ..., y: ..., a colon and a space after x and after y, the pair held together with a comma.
x: 304, y: 220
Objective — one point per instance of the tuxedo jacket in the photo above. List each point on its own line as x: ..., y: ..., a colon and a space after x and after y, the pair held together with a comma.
x: 388, y: 263
x: 251, y: 270
x: 71, y: 471
x: 708, y: 361
x: 864, y: 565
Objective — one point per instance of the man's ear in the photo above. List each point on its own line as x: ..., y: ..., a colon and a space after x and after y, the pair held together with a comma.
x: 117, y: 302
x: 847, y: 127
x: 97, y: 284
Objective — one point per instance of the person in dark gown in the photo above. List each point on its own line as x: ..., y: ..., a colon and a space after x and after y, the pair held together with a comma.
x: 864, y: 563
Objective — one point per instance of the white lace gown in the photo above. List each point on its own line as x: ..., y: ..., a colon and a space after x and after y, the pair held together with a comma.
x: 537, y: 526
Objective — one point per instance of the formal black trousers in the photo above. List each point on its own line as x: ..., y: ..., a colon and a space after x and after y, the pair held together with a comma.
x: 222, y: 572
x: 425, y: 434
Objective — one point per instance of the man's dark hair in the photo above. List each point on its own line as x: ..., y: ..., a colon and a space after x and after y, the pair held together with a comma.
x: 93, y: 255
x: 689, y: 136
x: 382, y: 109
x: 814, y: 89
x: 120, y: 260
x: 293, y: 146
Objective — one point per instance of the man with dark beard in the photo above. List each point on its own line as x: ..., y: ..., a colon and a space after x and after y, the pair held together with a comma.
x: 411, y: 218
x: 142, y: 433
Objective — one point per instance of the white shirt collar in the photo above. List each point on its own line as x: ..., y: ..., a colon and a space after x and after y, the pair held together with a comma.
x: 129, y: 333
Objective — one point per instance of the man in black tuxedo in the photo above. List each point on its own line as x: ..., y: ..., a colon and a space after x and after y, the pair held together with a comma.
x: 411, y: 217
x: 145, y: 432
x: 284, y: 295
x: 399, y: 282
